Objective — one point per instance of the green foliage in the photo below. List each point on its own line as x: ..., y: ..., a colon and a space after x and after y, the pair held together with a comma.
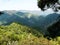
x: 17, y: 34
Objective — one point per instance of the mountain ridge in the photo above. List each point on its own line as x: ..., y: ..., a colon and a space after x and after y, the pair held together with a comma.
x: 28, y: 18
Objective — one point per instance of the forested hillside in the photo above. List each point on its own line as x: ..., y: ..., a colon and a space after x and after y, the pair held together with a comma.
x: 18, y: 34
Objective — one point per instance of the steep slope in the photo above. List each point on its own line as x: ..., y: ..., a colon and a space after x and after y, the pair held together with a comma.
x: 17, y: 34
x: 20, y: 33
x: 49, y: 19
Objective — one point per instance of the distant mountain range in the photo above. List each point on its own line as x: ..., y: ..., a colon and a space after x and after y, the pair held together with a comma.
x: 17, y: 16
x: 28, y: 18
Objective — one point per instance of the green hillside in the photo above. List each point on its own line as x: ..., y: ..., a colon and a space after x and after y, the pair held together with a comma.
x: 17, y: 34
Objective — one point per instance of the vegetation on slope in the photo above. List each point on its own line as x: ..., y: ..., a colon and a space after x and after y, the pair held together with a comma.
x: 17, y: 34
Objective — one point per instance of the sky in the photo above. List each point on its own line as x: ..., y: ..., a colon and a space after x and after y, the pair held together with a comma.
x: 22, y: 5
x: 18, y: 5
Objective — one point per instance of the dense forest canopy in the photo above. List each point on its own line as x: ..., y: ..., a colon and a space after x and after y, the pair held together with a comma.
x: 45, y: 4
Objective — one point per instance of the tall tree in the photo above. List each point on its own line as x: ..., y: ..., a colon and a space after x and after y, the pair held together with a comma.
x: 45, y: 4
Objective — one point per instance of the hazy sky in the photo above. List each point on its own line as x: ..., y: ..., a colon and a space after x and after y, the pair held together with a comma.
x: 18, y: 5
x: 22, y: 5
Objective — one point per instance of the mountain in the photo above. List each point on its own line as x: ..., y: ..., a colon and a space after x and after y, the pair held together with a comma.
x: 19, y: 34
x: 50, y: 19
x: 17, y: 16
x: 28, y: 18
